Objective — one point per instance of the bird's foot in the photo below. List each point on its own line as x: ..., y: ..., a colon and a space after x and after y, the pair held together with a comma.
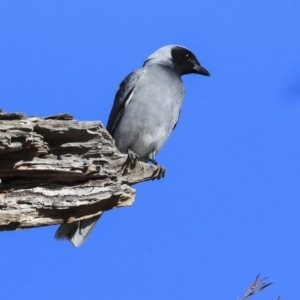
x: 160, y: 172
x: 131, y: 161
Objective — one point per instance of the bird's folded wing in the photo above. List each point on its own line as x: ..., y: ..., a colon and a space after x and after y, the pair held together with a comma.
x: 122, y: 99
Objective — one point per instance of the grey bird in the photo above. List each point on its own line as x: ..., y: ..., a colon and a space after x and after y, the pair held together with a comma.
x: 145, y: 111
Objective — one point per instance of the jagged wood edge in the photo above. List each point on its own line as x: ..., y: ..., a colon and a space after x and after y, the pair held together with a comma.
x: 56, y: 170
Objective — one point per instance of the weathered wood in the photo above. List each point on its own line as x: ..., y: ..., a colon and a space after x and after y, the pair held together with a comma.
x: 57, y: 170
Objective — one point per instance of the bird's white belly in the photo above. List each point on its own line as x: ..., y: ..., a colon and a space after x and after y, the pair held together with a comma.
x: 156, y: 139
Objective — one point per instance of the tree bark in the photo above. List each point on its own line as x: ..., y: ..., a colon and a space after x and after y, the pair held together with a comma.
x: 57, y: 170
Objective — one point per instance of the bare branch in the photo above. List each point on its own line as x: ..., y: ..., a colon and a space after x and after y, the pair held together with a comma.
x: 57, y: 170
x: 257, y: 286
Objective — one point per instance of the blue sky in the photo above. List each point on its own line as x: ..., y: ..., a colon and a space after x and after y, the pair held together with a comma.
x: 229, y: 205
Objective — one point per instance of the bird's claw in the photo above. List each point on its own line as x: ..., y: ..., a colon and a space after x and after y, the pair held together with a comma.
x: 159, y: 173
x: 131, y: 161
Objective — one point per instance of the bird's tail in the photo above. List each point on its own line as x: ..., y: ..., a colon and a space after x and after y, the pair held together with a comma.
x: 76, y: 232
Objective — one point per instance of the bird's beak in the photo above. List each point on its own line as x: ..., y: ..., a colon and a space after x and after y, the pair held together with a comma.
x: 200, y: 70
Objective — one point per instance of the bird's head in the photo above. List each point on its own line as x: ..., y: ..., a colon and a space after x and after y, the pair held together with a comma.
x: 178, y: 57
x: 186, y: 62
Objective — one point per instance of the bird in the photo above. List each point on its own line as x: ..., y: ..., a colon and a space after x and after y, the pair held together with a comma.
x: 145, y: 111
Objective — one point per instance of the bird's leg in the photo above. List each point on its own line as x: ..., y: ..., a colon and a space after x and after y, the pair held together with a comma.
x: 131, y: 160
x: 161, y: 171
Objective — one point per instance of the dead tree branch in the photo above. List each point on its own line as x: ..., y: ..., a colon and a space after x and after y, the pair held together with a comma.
x: 58, y: 170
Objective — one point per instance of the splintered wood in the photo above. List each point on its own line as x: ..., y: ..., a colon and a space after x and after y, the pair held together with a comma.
x: 58, y: 170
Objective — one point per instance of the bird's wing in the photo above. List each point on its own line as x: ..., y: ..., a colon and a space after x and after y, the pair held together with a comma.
x: 182, y: 93
x: 177, y: 120
x: 122, y: 99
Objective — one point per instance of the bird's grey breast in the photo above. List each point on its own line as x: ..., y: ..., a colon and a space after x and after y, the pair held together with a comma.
x: 151, y: 112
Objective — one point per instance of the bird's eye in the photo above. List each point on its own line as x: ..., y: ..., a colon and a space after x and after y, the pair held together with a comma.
x: 187, y: 57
